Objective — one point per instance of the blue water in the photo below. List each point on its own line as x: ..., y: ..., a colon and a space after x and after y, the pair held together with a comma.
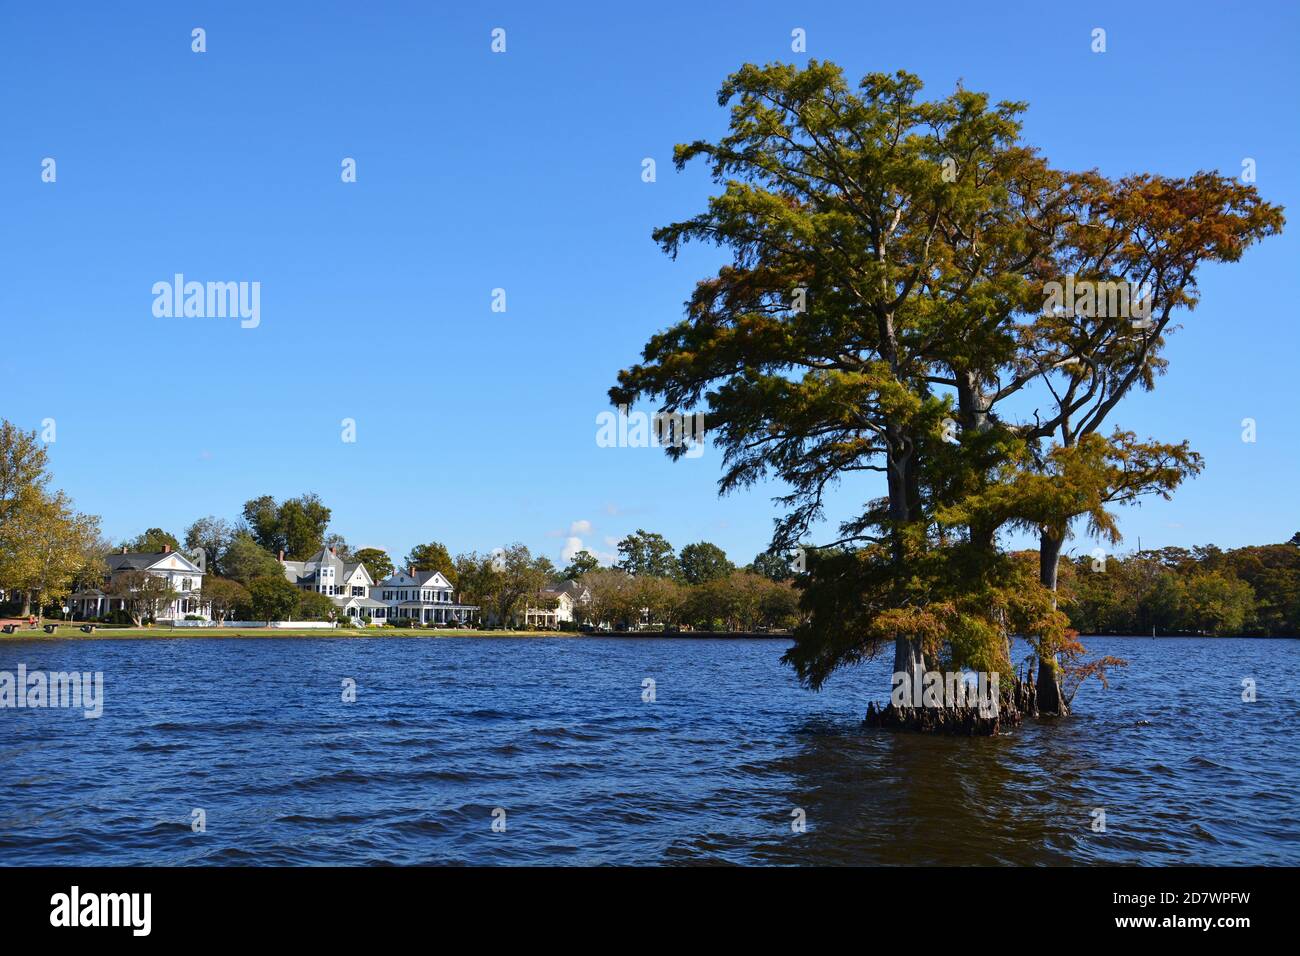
x: 554, y: 732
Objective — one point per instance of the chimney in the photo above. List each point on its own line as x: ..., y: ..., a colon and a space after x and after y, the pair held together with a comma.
x: 412, y: 570
x: 331, y: 549
x: 124, y: 549
x: 281, y: 555
x: 167, y: 549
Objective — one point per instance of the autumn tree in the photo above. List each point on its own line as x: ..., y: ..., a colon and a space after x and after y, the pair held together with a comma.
x: 500, y: 582
x: 143, y: 595
x: 44, y: 546
x: 882, y: 308
x: 861, y: 274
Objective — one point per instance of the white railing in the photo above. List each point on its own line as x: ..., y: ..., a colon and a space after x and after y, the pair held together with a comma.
x: 326, y: 625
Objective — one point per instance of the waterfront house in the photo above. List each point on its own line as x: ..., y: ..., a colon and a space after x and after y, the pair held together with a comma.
x: 564, y: 604
x: 346, y: 583
x: 426, y: 597
x: 182, y: 575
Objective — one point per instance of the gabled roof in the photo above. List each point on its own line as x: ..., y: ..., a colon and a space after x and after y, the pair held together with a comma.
x: 421, y: 579
x: 574, y: 589
x: 298, y: 572
x: 151, y: 560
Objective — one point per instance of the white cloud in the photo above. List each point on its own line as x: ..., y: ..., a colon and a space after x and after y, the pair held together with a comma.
x: 580, y: 527
x: 572, y: 547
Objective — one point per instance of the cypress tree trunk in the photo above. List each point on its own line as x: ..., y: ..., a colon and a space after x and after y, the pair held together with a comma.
x: 909, y: 659
x: 1051, y: 701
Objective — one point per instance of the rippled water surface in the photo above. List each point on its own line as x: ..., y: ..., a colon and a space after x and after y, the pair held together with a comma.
x: 555, y: 732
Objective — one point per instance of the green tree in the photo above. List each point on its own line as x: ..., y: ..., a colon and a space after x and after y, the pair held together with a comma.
x: 153, y: 541
x: 1217, y: 603
x: 645, y: 552
x: 376, y: 561
x: 225, y: 597
x: 888, y: 257
x: 245, y: 561
x: 433, y: 556
x: 303, y: 521
x: 296, y: 526
x: 582, y: 563
x: 213, y: 536
x: 704, y: 562
x: 613, y: 598
x: 772, y: 564
x: 23, y: 461
x: 43, y: 545
x: 273, y: 598
x: 262, y: 516
x: 313, y: 606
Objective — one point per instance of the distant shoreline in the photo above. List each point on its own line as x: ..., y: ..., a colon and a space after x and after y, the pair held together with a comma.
x: 72, y: 633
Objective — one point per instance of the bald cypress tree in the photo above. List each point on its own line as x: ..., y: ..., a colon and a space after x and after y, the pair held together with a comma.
x: 882, y: 305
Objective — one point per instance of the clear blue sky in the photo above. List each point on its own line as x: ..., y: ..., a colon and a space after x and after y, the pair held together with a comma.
x: 523, y: 171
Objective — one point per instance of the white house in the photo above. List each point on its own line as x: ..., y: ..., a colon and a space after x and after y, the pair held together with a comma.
x: 568, y: 597
x: 183, y: 575
x: 423, y: 596
x: 345, y: 583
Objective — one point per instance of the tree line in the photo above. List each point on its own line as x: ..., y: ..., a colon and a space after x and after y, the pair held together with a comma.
x: 1252, y: 591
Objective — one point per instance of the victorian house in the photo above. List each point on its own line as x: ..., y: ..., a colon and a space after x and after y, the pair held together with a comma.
x: 423, y: 596
x: 346, y: 583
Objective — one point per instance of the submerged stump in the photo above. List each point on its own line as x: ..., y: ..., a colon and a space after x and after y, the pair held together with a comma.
x: 960, y: 720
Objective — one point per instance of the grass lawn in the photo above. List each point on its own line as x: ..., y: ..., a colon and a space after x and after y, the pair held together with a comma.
x: 103, y: 633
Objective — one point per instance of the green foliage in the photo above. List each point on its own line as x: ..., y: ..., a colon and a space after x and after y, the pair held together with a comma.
x: 245, y: 561
x: 582, y: 563
x: 648, y: 553
x: 704, y: 562
x: 1253, y: 590
x: 772, y: 564
x: 882, y: 306
x: 501, y: 582
x: 313, y: 606
x: 273, y: 599
x: 433, y: 556
x: 226, y: 597
x: 296, y: 527
x: 214, y: 536
x: 154, y: 540
x: 377, y: 562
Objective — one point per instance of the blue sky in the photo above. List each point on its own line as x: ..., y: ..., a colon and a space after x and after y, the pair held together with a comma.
x: 522, y: 171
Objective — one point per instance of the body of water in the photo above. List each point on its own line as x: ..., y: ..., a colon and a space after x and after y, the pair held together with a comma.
x: 553, y: 738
